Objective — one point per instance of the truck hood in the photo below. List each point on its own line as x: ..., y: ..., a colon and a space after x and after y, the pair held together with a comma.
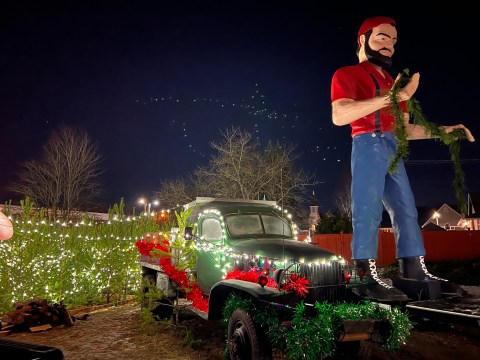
x: 281, y: 249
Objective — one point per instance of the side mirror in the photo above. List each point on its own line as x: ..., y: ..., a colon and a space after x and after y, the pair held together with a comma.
x: 188, y: 233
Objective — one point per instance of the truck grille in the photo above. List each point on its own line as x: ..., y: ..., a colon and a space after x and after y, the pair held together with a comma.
x: 326, y: 282
x: 330, y: 273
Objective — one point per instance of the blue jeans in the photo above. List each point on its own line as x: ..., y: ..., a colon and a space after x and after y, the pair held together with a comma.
x: 372, y: 185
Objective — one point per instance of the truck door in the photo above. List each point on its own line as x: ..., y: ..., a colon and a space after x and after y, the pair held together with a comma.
x: 209, y: 262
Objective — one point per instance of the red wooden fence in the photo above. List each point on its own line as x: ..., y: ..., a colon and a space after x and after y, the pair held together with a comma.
x: 439, y: 245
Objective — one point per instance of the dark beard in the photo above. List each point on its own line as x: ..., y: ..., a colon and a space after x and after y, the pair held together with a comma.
x: 376, y: 58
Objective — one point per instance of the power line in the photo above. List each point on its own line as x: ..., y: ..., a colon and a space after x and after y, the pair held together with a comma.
x: 423, y: 162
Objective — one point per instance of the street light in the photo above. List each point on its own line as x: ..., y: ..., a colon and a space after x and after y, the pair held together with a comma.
x: 148, y: 205
x: 436, y: 215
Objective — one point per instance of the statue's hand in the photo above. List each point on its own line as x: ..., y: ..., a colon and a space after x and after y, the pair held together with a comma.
x: 449, y: 129
x: 406, y: 92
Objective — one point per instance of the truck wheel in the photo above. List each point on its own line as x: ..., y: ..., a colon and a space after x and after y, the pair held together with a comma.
x: 164, y: 310
x: 245, y: 341
x: 164, y: 307
x: 353, y: 350
x: 148, y: 280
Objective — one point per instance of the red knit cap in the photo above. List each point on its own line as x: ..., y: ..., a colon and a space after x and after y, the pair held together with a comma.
x: 370, y: 23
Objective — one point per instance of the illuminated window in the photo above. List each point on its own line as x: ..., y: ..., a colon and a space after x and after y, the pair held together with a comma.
x: 212, y: 229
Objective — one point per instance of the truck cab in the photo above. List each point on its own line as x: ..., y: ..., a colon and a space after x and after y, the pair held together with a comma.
x: 243, y: 234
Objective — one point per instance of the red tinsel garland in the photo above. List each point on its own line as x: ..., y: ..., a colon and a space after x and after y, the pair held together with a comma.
x: 192, y: 291
x: 191, y: 288
x: 297, y: 284
x: 146, y: 247
x: 196, y: 297
x: 250, y: 276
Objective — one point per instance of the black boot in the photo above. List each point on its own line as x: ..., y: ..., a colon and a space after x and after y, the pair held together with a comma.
x: 415, y: 268
x: 372, y: 287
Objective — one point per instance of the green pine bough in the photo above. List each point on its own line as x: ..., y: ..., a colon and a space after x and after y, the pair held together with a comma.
x: 437, y: 132
x: 315, y: 335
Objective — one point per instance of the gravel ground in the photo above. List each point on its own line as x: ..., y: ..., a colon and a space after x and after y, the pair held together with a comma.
x: 119, y: 333
x: 472, y: 290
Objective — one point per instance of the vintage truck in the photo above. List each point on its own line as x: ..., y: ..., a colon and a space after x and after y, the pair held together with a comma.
x: 247, y: 260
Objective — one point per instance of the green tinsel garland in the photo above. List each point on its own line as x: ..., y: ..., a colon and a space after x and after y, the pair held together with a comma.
x: 313, y: 337
x: 437, y: 132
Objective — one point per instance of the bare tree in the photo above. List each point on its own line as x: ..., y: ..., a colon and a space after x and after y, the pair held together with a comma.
x: 283, y: 181
x: 243, y: 171
x: 343, y: 195
x: 66, y: 177
x: 174, y: 193
x: 232, y: 172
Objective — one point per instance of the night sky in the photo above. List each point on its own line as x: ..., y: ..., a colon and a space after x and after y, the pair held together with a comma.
x: 153, y: 83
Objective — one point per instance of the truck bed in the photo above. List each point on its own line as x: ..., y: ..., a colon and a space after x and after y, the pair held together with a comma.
x: 464, y: 310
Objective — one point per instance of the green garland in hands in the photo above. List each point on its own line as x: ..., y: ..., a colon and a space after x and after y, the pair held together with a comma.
x: 433, y: 130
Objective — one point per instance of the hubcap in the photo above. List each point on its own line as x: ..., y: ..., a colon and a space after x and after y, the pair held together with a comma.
x: 239, y: 342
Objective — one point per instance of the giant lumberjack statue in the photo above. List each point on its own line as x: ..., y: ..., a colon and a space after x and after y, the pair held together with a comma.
x: 360, y: 97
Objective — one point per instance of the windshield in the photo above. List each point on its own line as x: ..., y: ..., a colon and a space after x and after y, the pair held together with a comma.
x: 257, y: 225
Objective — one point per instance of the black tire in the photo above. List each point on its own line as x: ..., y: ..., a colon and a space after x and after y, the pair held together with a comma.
x: 147, y: 279
x: 350, y: 350
x: 164, y: 310
x: 164, y: 307
x: 245, y: 340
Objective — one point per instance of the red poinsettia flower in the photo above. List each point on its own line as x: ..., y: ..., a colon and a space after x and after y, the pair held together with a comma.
x: 297, y: 284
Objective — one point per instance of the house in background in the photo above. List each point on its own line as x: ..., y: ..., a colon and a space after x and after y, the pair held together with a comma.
x: 432, y: 227
x: 472, y: 219
x: 424, y: 213
x: 445, y: 217
x: 449, y: 219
